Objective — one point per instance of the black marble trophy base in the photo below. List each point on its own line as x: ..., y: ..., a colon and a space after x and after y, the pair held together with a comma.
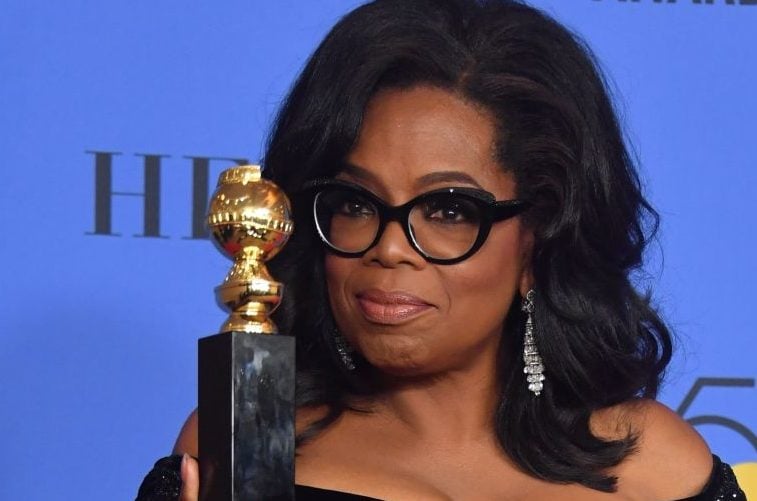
x: 246, y: 417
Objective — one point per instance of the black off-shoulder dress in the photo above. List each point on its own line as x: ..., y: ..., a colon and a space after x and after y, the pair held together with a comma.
x: 164, y: 482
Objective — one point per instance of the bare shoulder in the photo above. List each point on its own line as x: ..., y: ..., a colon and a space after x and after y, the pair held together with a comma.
x: 671, y: 460
x: 187, y: 439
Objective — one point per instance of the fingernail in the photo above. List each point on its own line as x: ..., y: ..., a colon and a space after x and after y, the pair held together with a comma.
x: 184, y: 459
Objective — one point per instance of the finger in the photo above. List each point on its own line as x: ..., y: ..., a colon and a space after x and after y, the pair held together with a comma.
x: 190, y: 479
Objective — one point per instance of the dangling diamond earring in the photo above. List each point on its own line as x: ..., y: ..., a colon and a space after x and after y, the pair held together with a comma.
x: 344, y: 350
x: 534, y: 367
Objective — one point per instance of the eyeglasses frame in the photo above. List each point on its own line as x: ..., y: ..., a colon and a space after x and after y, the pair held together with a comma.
x: 491, y: 210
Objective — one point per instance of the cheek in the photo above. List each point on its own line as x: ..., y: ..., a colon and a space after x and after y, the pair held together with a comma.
x: 337, y: 271
x: 340, y: 272
x: 482, y: 289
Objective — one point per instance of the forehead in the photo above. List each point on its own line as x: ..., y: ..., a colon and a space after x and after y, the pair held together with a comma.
x: 424, y: 137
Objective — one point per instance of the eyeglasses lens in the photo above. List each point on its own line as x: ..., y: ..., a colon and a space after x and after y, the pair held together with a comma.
x: 443, y: 225
x: 347, y: 220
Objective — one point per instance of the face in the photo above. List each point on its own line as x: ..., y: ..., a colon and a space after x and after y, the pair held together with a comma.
x: 406, y: 316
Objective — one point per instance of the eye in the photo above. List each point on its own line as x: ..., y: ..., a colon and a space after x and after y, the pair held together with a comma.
x: 351, y: 205
x: 450, y: 210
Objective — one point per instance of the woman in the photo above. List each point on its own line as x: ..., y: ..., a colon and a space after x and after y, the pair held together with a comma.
x: 458, y: 285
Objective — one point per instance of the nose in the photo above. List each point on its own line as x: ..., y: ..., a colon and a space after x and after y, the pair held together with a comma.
x: 393, y: 249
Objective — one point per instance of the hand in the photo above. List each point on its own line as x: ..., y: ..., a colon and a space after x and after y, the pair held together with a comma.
x: 190, y: 479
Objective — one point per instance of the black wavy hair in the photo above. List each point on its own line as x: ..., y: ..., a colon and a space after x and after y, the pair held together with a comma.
x: 601, y: 341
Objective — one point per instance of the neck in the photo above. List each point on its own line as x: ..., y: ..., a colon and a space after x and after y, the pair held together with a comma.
x: 453, y: 405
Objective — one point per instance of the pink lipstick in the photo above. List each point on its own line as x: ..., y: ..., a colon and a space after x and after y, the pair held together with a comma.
x: 390, y: 308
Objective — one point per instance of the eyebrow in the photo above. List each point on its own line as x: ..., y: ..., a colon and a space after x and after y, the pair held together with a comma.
x: 359, y: 173
x: 446, y: 176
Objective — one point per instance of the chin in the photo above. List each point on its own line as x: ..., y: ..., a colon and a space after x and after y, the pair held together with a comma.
x: 404, y: 370
x: 405, y: 361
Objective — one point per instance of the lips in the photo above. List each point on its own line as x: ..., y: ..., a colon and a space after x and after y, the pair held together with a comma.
x: 390, y: 308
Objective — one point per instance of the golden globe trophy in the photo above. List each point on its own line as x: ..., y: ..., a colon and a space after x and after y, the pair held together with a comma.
x: 246, y: 373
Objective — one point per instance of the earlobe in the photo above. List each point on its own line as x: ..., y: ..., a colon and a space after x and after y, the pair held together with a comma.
x: 526, y: 273
x: 526, y: 281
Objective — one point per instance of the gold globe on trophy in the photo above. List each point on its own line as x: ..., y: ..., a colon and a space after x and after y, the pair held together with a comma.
x: 250, y: 220
x: 246, y: 377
